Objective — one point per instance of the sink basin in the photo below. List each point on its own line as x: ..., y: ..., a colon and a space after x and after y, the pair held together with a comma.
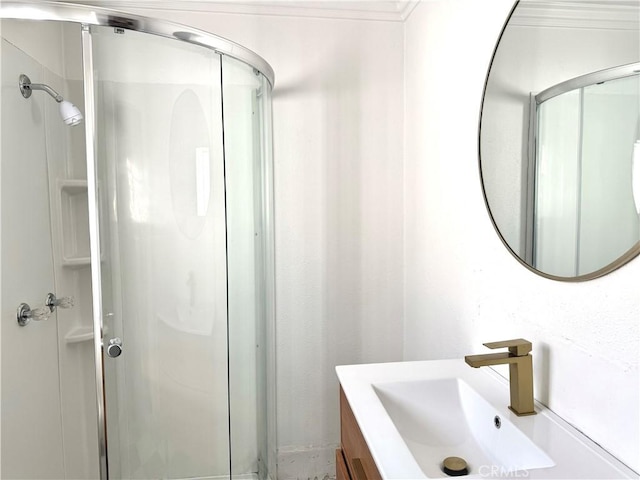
x: 413, y: 415
x: 446, y: 417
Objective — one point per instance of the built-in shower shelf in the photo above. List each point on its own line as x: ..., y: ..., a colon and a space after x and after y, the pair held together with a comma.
x: 72, y: 214
x: 73, y: 186
x: 81, y: 334
x: 76, y: 262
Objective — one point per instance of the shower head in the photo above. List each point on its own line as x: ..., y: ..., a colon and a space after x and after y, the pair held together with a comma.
x: 68, y: 111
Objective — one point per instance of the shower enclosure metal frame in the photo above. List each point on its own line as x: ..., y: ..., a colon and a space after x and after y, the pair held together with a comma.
x: 535, y: 101
x: 87, y: 16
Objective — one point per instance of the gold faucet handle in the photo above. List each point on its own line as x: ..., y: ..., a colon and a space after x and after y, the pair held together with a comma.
x: 518, y: 346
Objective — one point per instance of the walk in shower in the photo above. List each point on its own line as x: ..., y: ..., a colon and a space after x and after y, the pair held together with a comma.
x: 148, y: 213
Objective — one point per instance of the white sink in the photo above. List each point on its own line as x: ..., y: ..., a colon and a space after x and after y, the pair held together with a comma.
x: 415, y: 414
x: 446, y: 417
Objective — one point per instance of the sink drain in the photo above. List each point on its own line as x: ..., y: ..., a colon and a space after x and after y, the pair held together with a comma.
x: 455, y: 466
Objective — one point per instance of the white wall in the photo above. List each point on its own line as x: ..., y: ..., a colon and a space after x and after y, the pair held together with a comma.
x: 462, y: 286
x: 338, y: 107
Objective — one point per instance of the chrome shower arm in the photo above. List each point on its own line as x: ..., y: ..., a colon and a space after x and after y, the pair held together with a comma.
x: 48, y: 89
x: 26, y: 87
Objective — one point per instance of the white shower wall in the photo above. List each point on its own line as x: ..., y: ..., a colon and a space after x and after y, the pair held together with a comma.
x: 45, y: 367
x: 30, y: 391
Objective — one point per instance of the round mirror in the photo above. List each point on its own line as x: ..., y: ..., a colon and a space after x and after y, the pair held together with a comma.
x: 560, y: 136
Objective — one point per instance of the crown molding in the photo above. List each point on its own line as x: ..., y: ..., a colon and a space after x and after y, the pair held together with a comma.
x: 375, y: 10
x: 600, y: 14
x: 406, y: 7
x: 590, y: 14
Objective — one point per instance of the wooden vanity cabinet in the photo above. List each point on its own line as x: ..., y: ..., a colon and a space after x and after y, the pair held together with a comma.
x: 342, y: 472
x: 353, y: 459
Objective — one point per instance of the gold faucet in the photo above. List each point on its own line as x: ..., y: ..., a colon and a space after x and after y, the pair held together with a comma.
x: 520, y: 371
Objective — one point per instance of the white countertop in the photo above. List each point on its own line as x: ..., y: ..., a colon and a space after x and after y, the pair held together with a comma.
x: 575, y: 455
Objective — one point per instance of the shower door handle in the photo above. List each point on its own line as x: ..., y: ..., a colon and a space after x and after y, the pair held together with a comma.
x: 114, y: 349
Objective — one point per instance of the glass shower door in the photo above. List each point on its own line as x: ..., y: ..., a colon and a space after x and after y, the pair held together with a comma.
x: 160, y: 171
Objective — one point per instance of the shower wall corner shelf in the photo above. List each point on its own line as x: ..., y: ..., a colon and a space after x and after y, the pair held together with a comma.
x: 73, y: 217
x: 81, y: 334
x: 73, y: 186
x: 76, y: 262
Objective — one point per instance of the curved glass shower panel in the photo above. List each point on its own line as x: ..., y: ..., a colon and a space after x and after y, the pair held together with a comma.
x: 161, y: 175
x: 265, y: 321
x: 247, y: 160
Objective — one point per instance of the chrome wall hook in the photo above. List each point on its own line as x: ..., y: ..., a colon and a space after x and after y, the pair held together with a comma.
x: 25, y: 314
x: 63, y: 302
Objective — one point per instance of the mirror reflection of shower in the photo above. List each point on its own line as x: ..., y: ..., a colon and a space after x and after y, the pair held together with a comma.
x: 635, y: 174
x: 68, y: 111
x: 585, y: 176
